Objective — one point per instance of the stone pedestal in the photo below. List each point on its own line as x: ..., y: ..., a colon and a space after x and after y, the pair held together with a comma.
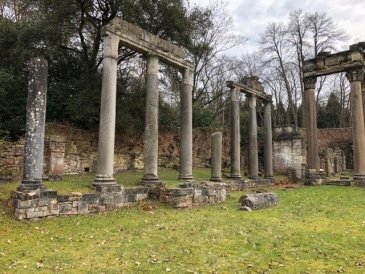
x: 105, y: 164
x: 358, y: 132
x: 311, y: 115
x: 268, y: 150
x: 216, y: 156
x: 253, y: 168
x: 235, y: 134
x: 150, y: 149
x: 35, y: 126
x: 186, y: 127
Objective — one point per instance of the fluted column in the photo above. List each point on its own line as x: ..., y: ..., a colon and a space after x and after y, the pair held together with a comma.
x: 105, y: 164
x: 35, y: 125
x: 235, y: 134
x: 253, y: 154
x: 268, y: 154
x: 186, y: 127
x: 150, y: 149
x: 355, y: 77
x: 311, y: 116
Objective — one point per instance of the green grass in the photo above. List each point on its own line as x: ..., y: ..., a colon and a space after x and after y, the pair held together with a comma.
x: 313, y: 230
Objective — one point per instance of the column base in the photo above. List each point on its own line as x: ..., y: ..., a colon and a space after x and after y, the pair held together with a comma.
x: 312, y: 178
x: 359, y: 180
x: 103, y: 180
x: 150, y: 179
x: 185, y: 177
x: 31, y: 185
x: 235, y: 176
x: 216, y: 179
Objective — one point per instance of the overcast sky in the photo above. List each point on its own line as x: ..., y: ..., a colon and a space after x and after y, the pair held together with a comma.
x: 251, y: 16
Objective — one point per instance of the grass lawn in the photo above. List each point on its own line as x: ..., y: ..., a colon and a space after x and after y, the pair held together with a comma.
x: 313, y: 230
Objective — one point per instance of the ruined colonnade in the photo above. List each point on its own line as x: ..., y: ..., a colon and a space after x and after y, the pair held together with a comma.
x: 254, y: 91
x: 155, y: 50
x: 352, y: 62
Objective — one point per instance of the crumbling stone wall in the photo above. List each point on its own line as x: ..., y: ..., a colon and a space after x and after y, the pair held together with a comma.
x: 73, y: 151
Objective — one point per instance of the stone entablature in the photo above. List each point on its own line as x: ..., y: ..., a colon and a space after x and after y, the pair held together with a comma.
x: 142, y: 41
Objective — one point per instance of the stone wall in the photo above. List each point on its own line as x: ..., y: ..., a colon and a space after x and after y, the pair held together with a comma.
x: 47, y: 203
x: 73, y: 151
x: 289, y: 155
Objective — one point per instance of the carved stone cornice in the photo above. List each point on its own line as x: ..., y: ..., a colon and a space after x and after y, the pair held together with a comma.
x: 355, y: 74
x: 310, y: 82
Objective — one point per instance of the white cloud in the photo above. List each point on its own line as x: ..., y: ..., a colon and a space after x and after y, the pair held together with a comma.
x: 251, y: 16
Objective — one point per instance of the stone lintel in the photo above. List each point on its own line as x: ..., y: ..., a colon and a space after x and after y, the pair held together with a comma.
x: 335, y: 63
x: 142, y: 41
x: 250, y: 89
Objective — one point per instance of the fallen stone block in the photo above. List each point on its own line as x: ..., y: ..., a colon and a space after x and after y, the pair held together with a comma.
x: 258, y: 200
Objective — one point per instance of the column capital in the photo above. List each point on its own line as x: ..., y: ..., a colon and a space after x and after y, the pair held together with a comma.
x: 110, y: 44
x: 356, y: 74
x: 310, y: 82
x: 267, y: 106
x: 235, y: 94
x: 251, y: 100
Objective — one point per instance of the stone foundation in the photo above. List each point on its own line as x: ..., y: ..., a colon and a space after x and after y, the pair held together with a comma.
x: 48, y: 203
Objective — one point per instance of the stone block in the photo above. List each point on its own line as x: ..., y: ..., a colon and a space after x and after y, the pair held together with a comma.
x: 181, y: 191
x: 65, y: 207
x: 91, y: 198
x: 26, y: 203
x: 141, y: 196
x: 107, y: 198
x: 41, y: 208
x: 49, y: 193
x: 43, y: 202
x: 181, y: 202
x: 63, y: 198
x: 131, y: 198
x: 36, y: 214
x: 83, y: 208
x: 118, y: 197
x: 108, y: 188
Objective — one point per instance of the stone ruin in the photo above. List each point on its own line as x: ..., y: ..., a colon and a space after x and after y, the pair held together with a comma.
x: 352, y: 62
x: 254, y: 90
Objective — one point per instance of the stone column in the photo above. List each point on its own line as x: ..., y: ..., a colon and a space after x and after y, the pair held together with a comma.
x: 268, y: 154
x: 235, y: 134
x: 216, y: 157
x: 150, y: 149
x: 358, y: 132
x: 253, y: 154
x: 186, y: 127
x: 311, y: 115
x: 105, y: 164
x: 363, y: 96
x: 35, y: 126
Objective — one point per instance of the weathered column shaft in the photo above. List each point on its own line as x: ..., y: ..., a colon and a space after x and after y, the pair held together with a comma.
x: 311, y: 116
x: 358, y: 132
x: 235, y: 134
x: 186, y: 127
x: 216, y: 157
x: 268, y: 153
x: 35, y: 125
x: 363, y: 98
x: 253, y: 153
x: 105, y: 164
x: 151, y: 124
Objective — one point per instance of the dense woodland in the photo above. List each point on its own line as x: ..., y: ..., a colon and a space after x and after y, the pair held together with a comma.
x: 68, y: 35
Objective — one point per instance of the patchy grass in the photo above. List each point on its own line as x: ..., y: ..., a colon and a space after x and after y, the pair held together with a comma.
x: 313, y: 230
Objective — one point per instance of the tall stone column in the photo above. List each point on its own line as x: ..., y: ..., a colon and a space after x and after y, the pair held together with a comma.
x: 253, y: 154
x: 35, y: 126
x: 150, y: 149
x: 311, y: 115
x: 186, y: 127
x: 105, y: 164
x: 216, y: 156
x: 358, y: 132
x: 363, y: 96
x: 235, y: 134
x: 268, y: 154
